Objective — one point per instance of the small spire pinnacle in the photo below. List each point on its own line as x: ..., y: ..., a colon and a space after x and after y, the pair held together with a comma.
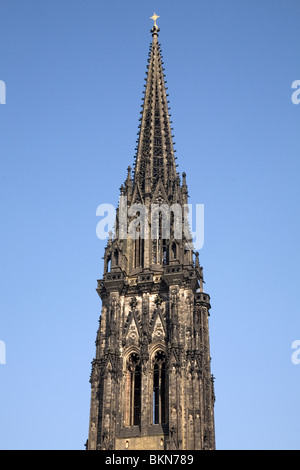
x: 154, y: 18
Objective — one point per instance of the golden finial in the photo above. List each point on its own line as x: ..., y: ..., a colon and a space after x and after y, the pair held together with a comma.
x: 154, y: 18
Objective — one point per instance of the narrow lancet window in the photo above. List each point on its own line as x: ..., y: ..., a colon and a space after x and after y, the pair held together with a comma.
x: 133, y: 391
x: 159, y: 389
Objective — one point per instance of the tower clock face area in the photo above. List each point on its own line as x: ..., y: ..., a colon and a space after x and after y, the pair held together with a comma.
x: 151, y: 383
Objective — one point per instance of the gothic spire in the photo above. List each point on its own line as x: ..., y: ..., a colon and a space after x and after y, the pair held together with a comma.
x: 155, y: 158
x: 151, y: 383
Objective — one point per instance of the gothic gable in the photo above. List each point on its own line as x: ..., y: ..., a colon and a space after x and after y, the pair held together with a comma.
x: 132, y: 330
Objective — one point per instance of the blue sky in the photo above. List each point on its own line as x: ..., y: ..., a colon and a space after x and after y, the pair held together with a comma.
x: 74, y: 72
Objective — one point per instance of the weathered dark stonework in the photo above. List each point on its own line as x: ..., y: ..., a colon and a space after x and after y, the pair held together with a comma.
x: 151, y: 382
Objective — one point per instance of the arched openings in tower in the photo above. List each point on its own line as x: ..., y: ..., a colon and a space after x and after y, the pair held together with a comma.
x: 139, y: 232
x: 116, y: 257
x: 107, y: 267
x: 174, y: 250
x: 159, y: 388
x: 133, y: 391
x: 139, y: 250
x: 160, y: 236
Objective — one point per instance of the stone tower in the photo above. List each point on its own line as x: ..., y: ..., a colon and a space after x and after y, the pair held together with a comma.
x: 151, y: 382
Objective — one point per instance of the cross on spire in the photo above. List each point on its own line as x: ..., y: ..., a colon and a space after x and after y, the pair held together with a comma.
x: 154, y: 18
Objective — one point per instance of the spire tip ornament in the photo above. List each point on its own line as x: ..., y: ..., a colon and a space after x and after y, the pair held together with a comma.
x: 154, y: 18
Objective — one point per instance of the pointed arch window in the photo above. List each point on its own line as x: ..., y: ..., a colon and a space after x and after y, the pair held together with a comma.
x: 159, y: 388
x: 174, y: 250
x: 133, y: 391
x: 160, y: 227
x: 116, y: 257
x: 139, y: 253
x: 139, y: 247
x: 108, y: 264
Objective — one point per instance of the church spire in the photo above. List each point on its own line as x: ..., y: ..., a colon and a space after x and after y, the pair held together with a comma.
x: 155, y: 157
x: 151, y: 383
